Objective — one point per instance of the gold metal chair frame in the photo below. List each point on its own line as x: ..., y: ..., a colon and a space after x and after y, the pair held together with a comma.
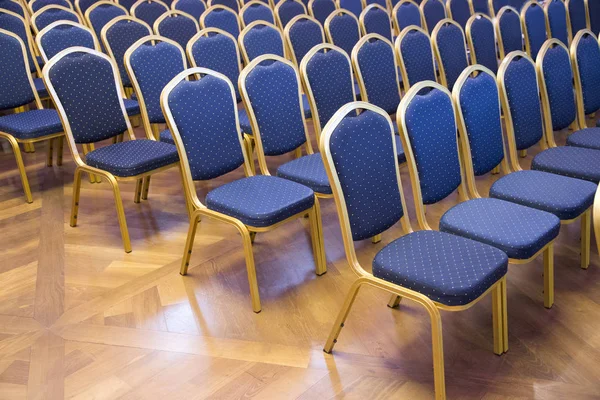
x: 498, y: 290
x: 200, y: 210
x: 339, y: 6
x: 581, y: 122
x: 470, y: 35
x: 173, y: 14
x: 337, y: 13
x: 398, y: 52
x: 88, y: 22
x: 50, y: 7
x: 288, y: 40
x: 449, y: 9
x: 423, y: 20
x: 498, y: 31
x: 248, y: 28
x: 365, y: 11
x: 218, y: 7
x: 569, y: 25
x: 492, y: 8
x: 31, y: 3
x: 278, y: 6
x: 436, y: 50
x: 139, y: 2
x: 365, y: 4
x: 526, y: 7
x: 249, y: 5
x: 472, y: 6
x: 394, y: 16
x: 547, y: 15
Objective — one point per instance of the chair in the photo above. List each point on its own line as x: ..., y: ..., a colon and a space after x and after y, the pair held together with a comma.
x: 210, y: 145
x: 375, y: 19
x: 148, y: 10
x: 482, y: 7
x: 382, y: 3
x: 128, y: 4
x: 415, y: 56
x: 433, y: 12
x: 177, y: 26
x: 256, y: 10
x: 81, y: 6
x: 437, y: 270
x: 593, y: 12
x: 260, y: 38
x: 195, y: 8
x: 84, y: 86
x: 342, y: 29
x: 101, y: 13
x: 480, y: 36
x: 556, y: 21
x: 533, y: 22
x: 407, y: 13
x: 62, y: 35
x: 321, y: 9
x: 232, y: 4
x: 507, y: 25
x: 14, y: 6
x: 16, y: 24
x: 18, y: 91
x: 354, y: 6
x: 301, y: 34
x: 459, y: 11
x: 477, y: 99
x: 577, y: 17
x: 49, y: 14
x: 496, y: 5
x: 286, y: 10
x: 448, y: 43
x: 37, y: 5
x: 221, y: 17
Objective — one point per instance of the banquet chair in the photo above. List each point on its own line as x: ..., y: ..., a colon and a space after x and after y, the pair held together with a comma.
x: 354, y: 6
x: 148, y: 10
x: 261, y: 37
x: 221, y: 17
x: 61, y: 35
x: 585, y: 56
x: 49, y: 14
x: 18, y: 91
x: 415, y: 56
x: 433, y: 11
x: 577, y: 17
x: 231, y: 4
x: 593, y: 11
x: 101, y: 13
x: 177, y: 26
x: 84, y: 86
x: 37, y: 5
x: 16, y: 24
x: 509, y: 36
x: 533, y: 22
x: 15, y: 6
x: 256, y: 10
x: 480, y: 7
x: 482, y: 43
x: 375, y: 19
x: 301, y: 34
x: 556, y: 21
x: 321, y: 9
x: 382, y: 3
x: 342, y: 29
x: 81, y: 6
x: 496, y: 5
x: 210, y: 144
x: 459, y: 11
x: 286, y: 10
x: 195, y: 8
x: 449, y: 46
x: 127, y: 4
x: 407, y: 13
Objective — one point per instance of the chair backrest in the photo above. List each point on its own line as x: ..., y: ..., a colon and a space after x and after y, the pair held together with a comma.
x: 321, y: 9
x: 120, y: 34
x: 415, y: 56
x: 354, y: 6
x: 217, y: 50
x: 577, y: 18
x: 202, y: 116
x: 221, y: 17
x: 62, y: 35
x: 151, y: 63
x: 195, y: 8
x: 177, y: 26
x: 286, y: 10
x: 508, y: 31
x: 81, y: 6
x: 376, y: 71
x: 49, y: 14
x: 231, y: 4
x: 382, y: 3
x: 343, y: 30
x: 593, y: 12
x: 433, y: 12
x: 36, y: 5
x: 256, y: 10
x: 407, y: 13
x: 585, y: 57
x: 496, y: 5
x: 14, y: 6
x: 326, y: 73
x: 368, y: 194
x: 375, y: 19
x: 481, y: 6
x: 149, y: 10
x: 303, y: 33
x: 260, y: 38
x: 533, y: 23
x: 459, y: 11
x: 482, y: 42
x: 128, y: 3
x: 101, y: 13
x: 16, y: 83
x: 16, y: 24
x: 556, y: 21
x: 449, y: 47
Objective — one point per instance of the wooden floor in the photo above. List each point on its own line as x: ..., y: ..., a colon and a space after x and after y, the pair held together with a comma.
x: 81, y: 319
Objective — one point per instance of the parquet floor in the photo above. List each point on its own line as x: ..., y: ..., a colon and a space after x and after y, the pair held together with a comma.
x: 81, y: 319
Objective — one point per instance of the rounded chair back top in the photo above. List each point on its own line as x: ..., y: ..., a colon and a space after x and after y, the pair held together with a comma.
x: 221, y: 17
x: 148, y: 10
x: 260, y: 38
x: 415, y: 56
x: 49, y: 14
x: 36, y: 5
x: 556, y: 21
x: 342, y: 29
x: 303, y: 33
x: 286, y: 10
x: 354, y: 6
x: 482, y: 42
x: 177, y: 26
x: 533, y: 22
x: 449, y: 47
x: 459, y: 11
x: 16, y: 24
x: 256, y: 10
x: 433, y: 12
x: 62, y: 35
x: 231, y: 4
x: 375, y: 19
x: 508, y: 31
x: 195, y: 8
x: 407, y: 13
x: 585, y: 58
x: 577, y: 17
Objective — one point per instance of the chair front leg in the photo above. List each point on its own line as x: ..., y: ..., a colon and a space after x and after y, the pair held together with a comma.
x: 145, y: 188
x: 50, y: 151
x: 504, y: 314
x: 549, y: 276
x: 120, y: 214
x: 437, y: 347
x: 586, y: 234
x: 76, y: 191
x: 189, y: 242
x: 59, y: 151
x: 342, y: 315
x: 316, y: 233
x: 376, y: 239
x: 498, y: 317
x: 394, y: 301
x: 21, y: 167
x: 250, y: 268
x: 138, y: 190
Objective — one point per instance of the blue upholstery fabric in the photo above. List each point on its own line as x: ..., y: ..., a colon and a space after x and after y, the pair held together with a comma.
x: 588, y: 59
x: 288, y: 10
x: 149, y: 11
x: 382, y: 3
x: 40, y: 87
x: 557, y: 21
x: 517, y: 230
x: 558, y: 77
x: 574, y: 162
x: 219, y: 53
x: 224, y: 19
x: 378, y: 70
x: 193, y: 7
x: 362, y: 153
x: 120, y: 36
x: 132, y: 107
x: 354, y: 6
x: 232, y: 4
x: 461, y: 12
x: 166, y: 136
x: 567, y: 198
x: 39, y: 4
x: 451, y: 46
x: 154, y: 67
x: 263, y: 39
x: 510, y: 29
x: 31, y: 124
x: 420, y: 261
x: 178, y: 28
x: 102, y: 15
x: 12, y: 6
x: 85, y: 4
x: 15, y: 25
x: 64, y: 36
x: 304, y: 34
x: 127, y: 4
x: 258, y: 12
x: 498, y: 4
x: 482, y: 6
x: 484, y: 43
x: 322, y: 8
x: 132, y: 157
x: 306, y: 107
x: 377, y: 21
x: 480, y: 108
x: 52, y: 15
x: 594, y: 11
x: 344, y: 32
x: 261, y: 201
x: 408, y: 14
x: 577, y: 14
x: 273, y: 92
x: 431, y: 129
x: 524, y: 103
x: 415, y: 51
x: 589, y: 137
x: 535, y: 23
x: 14, y: 79
x: 85, y: 86
x: 433, y: 12
x: 517, y: 4
x: 307, y: 170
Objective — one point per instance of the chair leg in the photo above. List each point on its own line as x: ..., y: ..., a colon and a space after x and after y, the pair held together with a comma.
x: 251, y: 269
x: 549, y: 276
x: 86, y: 149
x: 145, y: 188
x: 394, y: 301
x: 59, y: 151
x: 250, y: 152
x: 138, y: 191
x: 342, y: 315
x: 121, y: 214
x: 438, y: 354
x: 376, y: 239
x: 497, y: 318
x: 316, y: 233
x: 50, y: 151
x: 522, y: 153
x: 189, y: 243
x: 496, y: 170
x: 586, y: 234
x: 504, y: 315
x: 252, y: 237
x: 76, y: 191
x: 21, y: 167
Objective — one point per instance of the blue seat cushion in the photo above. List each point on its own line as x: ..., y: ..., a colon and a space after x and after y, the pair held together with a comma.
x: 399, y: 150
x: 31, y: 124
x: 448, y: 269
x: 598, y: 123
x: 589, y: 138
x: 574, y: 162
x: 307, y: 170
x: 165, y: 136
x: 306, y: 107
x: 40, y: 88
x: 517, y: 230
x: 132, y: 107
x: 261, y: 200
x: 133, y: 157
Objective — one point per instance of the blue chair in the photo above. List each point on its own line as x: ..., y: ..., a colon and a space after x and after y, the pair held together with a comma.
x: 482, y: 42
x: 303, y: 33
x: 382, y: 3
x: 577, y: 18
x: 426, y: 118
x: 223, y: 18
x: 148, y: 10
x: 195, y: 8
x: 508, y: 31
x: 375, y: 19
x: 16, y: 24
x: 556, y: 21
x: 448, y: 42
x: 62, y: 35
x: 407, y: 13
x: 81, y: 6
x: 433, y: 12
x: 260, y: 38
x: 18, y: 91
x: 593, y: 10
x: 482, y: 7
x: 37, y: 5
x: 354, y: 6
x: 177, y: 26
x: 321, y: 9
x: 49, y: 14
x: 101, y: 13
x: 415, y: 56
x: 286, y: 10
x: 210, y: 145
x: 256, y: 10
x: 231, y: 4
x: 496, y: 5
x: 478, y: 111
x: 533, y: 22
x: 436, y: 270
x: 14, y: 6
x: 127, y: 4
x: 459, y: 11
x: 342, y: 29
